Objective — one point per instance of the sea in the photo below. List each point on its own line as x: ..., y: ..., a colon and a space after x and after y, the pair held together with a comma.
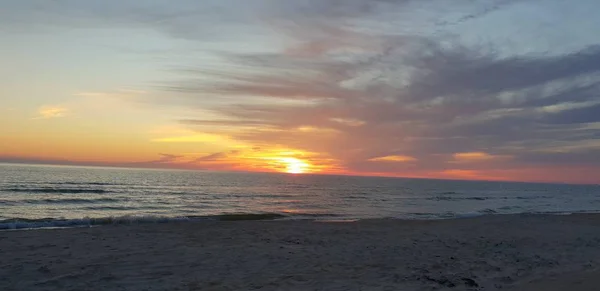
x: 39, y: 196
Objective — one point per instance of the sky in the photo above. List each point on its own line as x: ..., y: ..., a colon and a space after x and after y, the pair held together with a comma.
x: 488, y: 89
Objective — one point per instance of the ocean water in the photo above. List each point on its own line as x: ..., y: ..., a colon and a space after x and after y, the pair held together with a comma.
x: 41, y: 196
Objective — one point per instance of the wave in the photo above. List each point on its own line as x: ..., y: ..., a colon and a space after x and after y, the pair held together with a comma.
x: 84, y: 183
x: 315, y: 215
x: 530, y: 197
x: 63, y: 201
x: 8, y: 202
x: 26, y: 223
x: 449, y: 193
x: 265, y: 216
x: 483, y: 212
x: 57, y: 190
x: 482, y: 198
x: 105, y: 207
x: 487, y: 211
x: 73, y: 183
x: 114, y: 208
x: 446, y: 198
x: 242, y: 195
x: 247, y: 216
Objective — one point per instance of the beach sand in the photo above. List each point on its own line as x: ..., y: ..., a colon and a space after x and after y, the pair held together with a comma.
x: 503, y: 252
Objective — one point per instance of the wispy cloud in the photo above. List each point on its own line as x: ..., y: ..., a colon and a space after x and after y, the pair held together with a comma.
x: 393, y: 158
x: 195, y: 138
x: 120, y: 93
x: 165, y: 158
x: 51, y: 111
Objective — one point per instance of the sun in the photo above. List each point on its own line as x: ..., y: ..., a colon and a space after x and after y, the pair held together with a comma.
x: 294, y: 166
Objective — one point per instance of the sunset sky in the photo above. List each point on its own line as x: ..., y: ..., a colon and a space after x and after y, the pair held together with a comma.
x: 495, y: 90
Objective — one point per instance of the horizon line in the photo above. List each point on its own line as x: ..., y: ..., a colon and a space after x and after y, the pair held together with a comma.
x: 141, y: 167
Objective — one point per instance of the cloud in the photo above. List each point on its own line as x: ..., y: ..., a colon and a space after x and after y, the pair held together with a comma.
x: 463, y: 174
x: 393, y: 158
x: 165, y: 158
x: 211, y: 157
x: 51, y: 111
x: 120, y: 94
x: 195, y: 138
x: 432, y: 98
x: 475, y: 157
x: 453, y: 107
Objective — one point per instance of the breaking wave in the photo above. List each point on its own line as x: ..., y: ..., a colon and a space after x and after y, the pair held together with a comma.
x: 26, y: 223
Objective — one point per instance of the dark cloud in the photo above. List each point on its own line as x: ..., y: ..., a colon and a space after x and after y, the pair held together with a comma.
x: 587, y: 156
x: 587, y: 114
x: 466, y: 73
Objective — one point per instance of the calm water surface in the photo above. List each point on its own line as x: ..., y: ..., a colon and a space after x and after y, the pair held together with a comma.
x: 45, y: 193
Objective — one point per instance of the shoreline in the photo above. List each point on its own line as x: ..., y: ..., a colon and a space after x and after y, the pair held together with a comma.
x: 59, y: 223
x: 492, y: 252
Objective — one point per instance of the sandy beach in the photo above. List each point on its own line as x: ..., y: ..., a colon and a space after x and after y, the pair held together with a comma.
x: 504, y: 252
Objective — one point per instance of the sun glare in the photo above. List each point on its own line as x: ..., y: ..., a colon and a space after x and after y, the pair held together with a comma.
x: 294, y: 166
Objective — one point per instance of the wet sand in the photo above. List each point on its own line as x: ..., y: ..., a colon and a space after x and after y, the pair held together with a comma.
x: 508, y: 252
